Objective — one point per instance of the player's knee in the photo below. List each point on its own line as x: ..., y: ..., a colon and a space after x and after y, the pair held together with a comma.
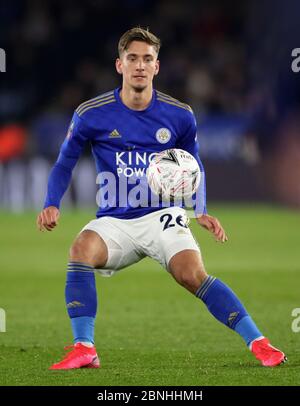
x: 188, y: 270
x: 79, y: 252
x: 82, y: 249
x: 191, y: 279
x: 89, y: 248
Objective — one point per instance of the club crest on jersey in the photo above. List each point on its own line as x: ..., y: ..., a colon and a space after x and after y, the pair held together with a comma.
x: 70, y: 130
x: 163, y: 135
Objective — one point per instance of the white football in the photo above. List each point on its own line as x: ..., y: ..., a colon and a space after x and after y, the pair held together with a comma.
x: 173, y: 174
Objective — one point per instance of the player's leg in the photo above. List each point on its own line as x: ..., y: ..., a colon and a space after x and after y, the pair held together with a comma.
x: 188, y: 270
x: 100, y: 246
x: 87, y: 252
x: 176, y: 249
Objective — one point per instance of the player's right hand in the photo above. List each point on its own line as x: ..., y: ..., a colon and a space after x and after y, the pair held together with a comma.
x: 48, y: 218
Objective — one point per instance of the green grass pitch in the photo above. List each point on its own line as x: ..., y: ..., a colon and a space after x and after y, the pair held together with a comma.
x: 150, y: 331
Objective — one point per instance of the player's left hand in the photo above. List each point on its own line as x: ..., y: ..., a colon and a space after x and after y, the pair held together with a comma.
x: 213, y: 225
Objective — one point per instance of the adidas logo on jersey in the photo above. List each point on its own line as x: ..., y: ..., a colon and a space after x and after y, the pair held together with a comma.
x: 115, y: 134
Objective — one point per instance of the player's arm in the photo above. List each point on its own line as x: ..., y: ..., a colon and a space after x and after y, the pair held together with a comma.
x: 61, y: 173
x: 189, y: 142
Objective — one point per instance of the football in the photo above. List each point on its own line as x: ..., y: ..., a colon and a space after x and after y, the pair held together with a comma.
x: 173, y: 174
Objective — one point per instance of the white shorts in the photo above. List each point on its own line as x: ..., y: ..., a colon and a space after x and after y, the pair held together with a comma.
x: 159, y: 235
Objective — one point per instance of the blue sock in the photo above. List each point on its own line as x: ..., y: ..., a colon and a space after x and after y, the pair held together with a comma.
x: 224, y: 305
x: 81, y: 300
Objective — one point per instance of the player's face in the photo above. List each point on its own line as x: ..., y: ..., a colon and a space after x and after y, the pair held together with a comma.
x: 138, y: 65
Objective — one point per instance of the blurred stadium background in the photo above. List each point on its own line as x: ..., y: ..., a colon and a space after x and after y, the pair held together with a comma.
x: 222, y: 58
x: 231, y: 61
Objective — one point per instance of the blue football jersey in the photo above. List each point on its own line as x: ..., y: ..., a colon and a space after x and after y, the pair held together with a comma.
x: 123, y: 141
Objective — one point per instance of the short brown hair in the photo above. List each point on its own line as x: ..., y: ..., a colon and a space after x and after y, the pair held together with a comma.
x: 138, y: 34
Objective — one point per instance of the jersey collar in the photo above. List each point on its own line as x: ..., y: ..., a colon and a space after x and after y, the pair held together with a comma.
x: 119, y: 100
